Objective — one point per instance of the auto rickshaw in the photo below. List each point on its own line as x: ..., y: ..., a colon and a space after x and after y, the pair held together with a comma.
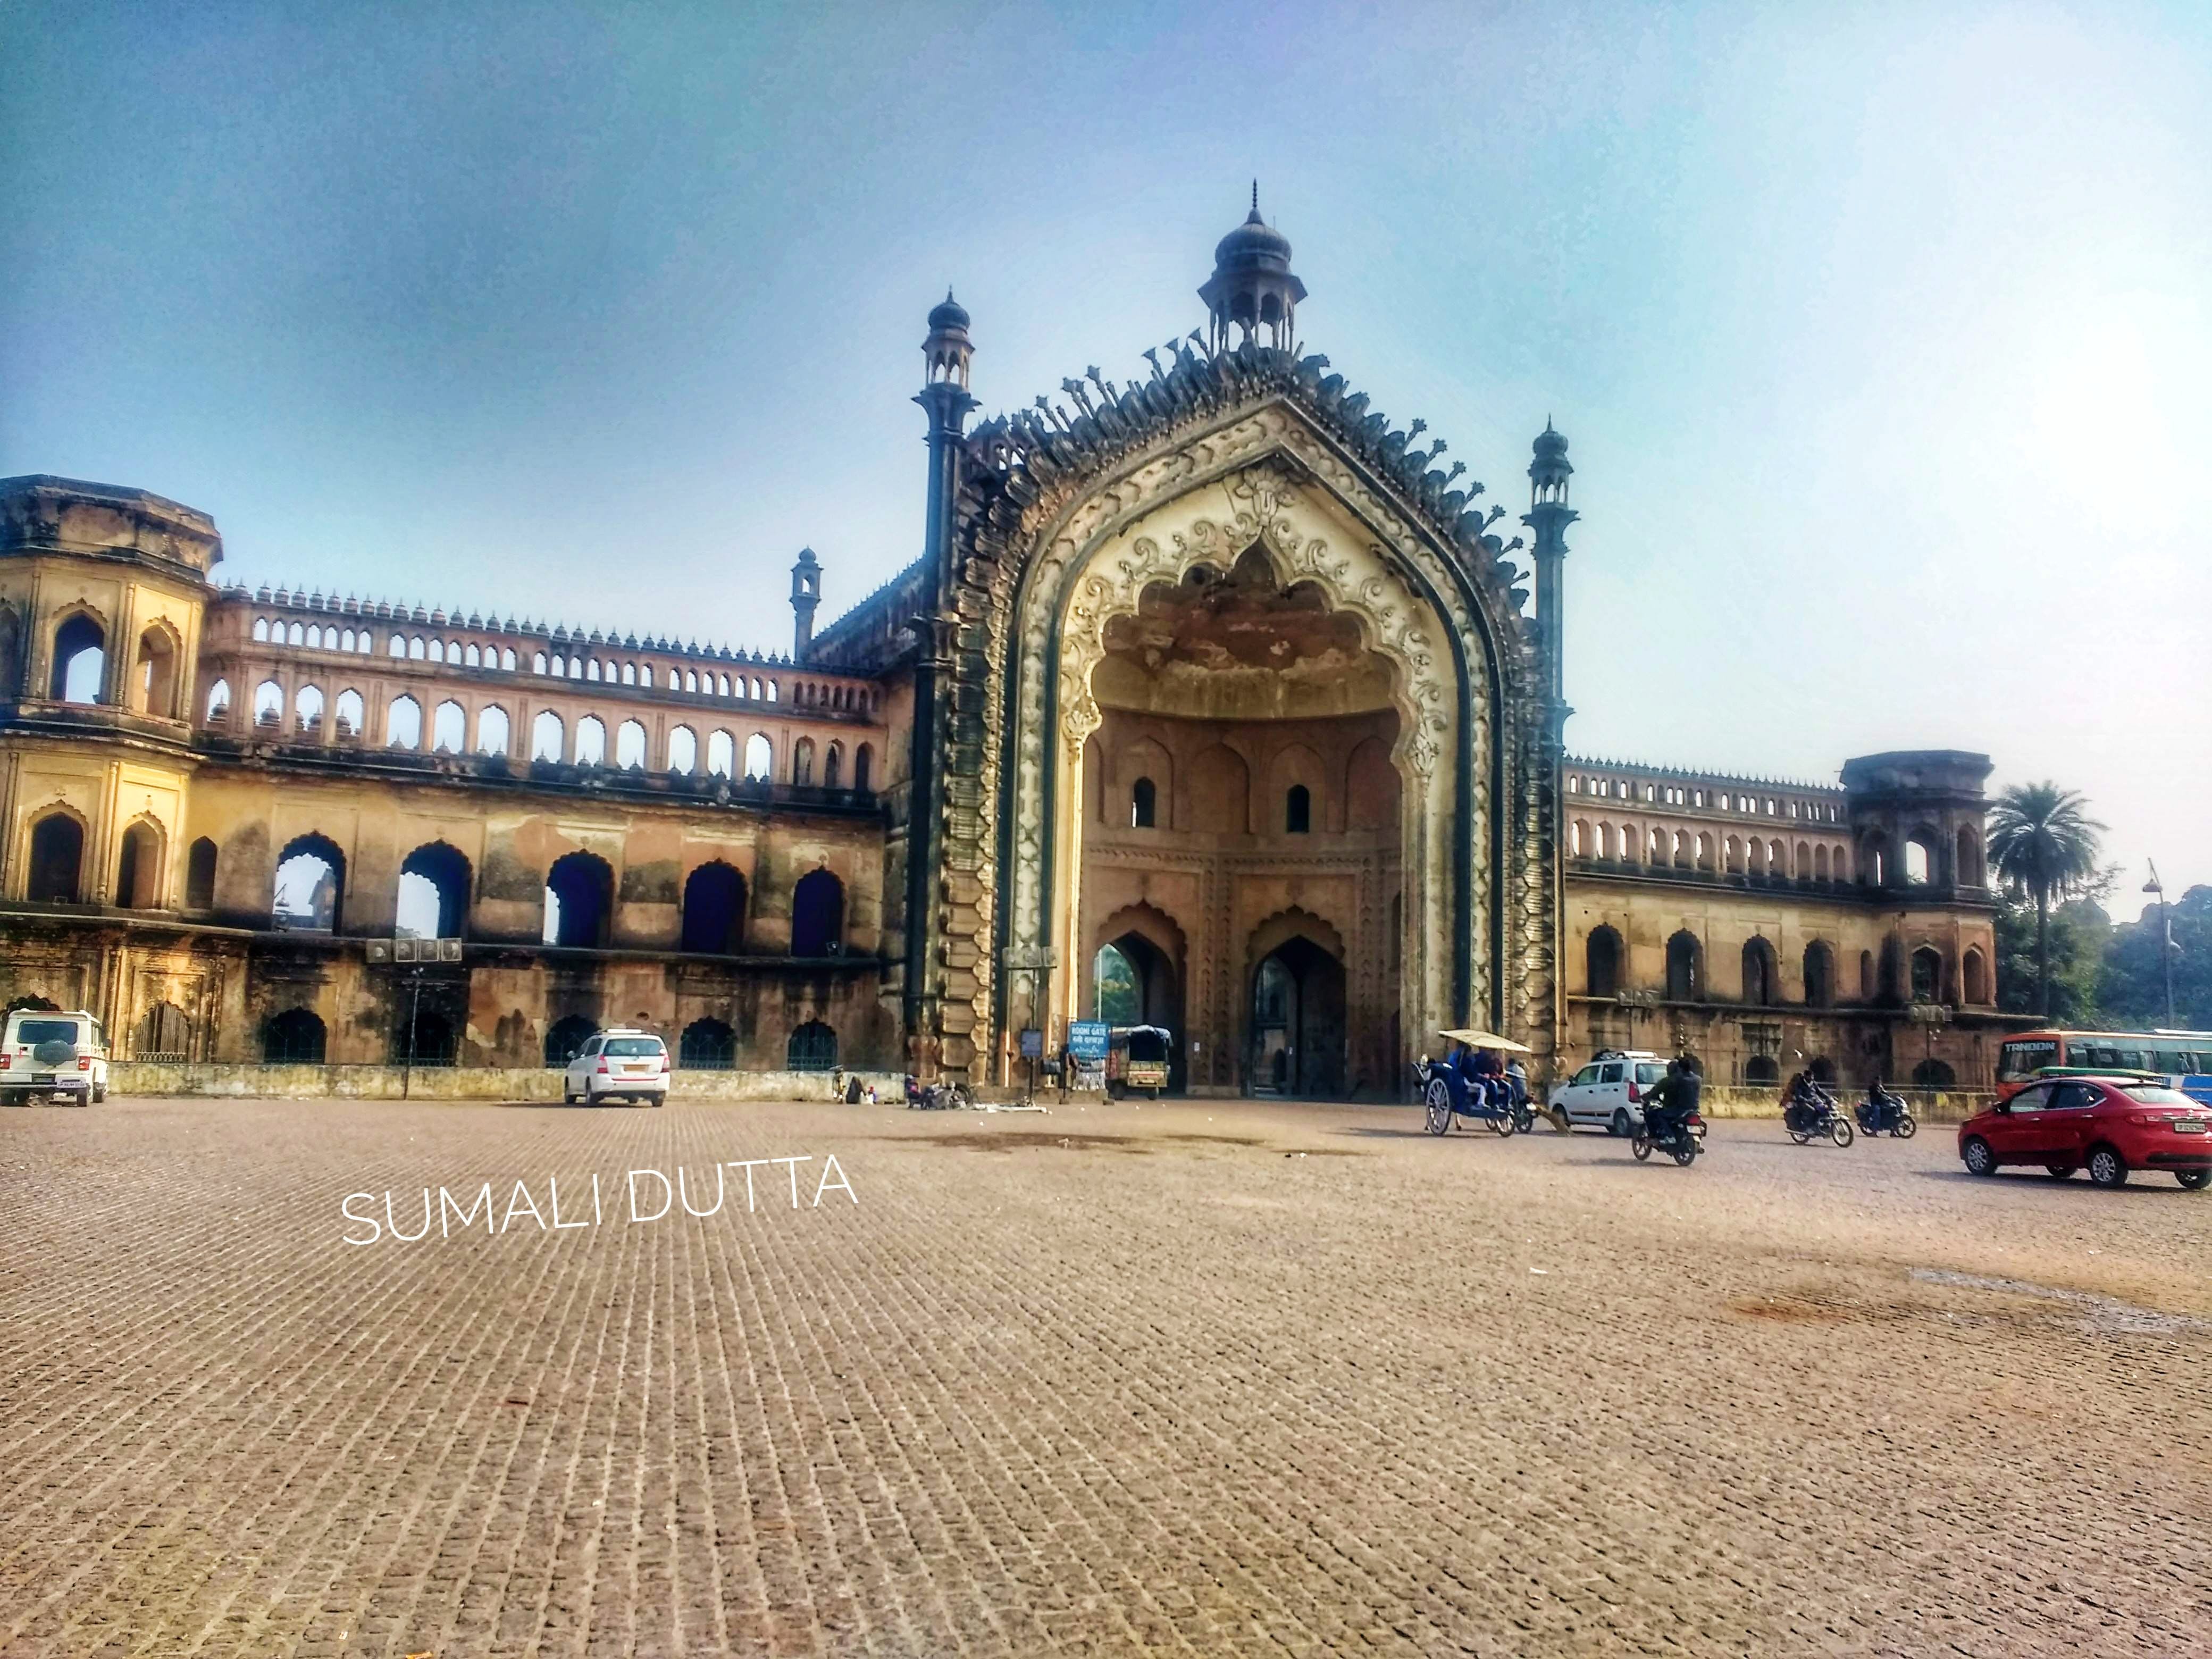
x: 1137, y: 1058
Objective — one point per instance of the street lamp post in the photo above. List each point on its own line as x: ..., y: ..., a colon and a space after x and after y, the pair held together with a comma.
x: 2166, y: 939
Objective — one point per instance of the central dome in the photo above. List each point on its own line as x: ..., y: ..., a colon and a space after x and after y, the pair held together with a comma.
x: 1252, y: 292
x: 1253, y: 245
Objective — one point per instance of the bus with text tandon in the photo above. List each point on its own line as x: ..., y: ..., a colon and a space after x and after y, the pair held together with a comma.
x: 2180, y: 1060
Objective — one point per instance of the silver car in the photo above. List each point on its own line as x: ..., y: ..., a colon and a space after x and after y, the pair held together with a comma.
x: 1608, y: 1092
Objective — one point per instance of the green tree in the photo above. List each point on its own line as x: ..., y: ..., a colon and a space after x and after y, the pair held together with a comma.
x: 2077, y: 938
x: 2133, y: 986
x: 2044, y: 843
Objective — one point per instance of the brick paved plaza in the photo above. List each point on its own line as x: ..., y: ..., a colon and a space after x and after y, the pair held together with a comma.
x: 1183, y: 1379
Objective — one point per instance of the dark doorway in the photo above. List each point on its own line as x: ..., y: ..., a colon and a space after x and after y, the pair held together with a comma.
x: 164, y: 1034
x: 565, y: 1036
x: 714, y: 910
x: 430, y: 1043
x: 818, y: 916
x: 295, y: 1038
x: 199, y: 875
x: 56, y: 859
x: 812, y: 1047
x: 1684, y: 963
x: 1135, y: 983
x: 1601, y: 966
x: 1297, y: 1042
x: 579, y: 901
x: 707, y: 1045
x: 310, y: 879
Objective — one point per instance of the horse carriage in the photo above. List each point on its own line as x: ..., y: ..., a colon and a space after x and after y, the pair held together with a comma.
x: 1448, y: 1097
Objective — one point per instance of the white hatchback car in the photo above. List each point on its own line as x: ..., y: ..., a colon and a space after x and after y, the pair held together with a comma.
x: 1609, y: 1092
x: 45, y: 1054
x: 617, y: 1064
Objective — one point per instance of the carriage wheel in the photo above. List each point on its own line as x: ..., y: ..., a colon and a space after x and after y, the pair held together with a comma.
x: 1438, y: 1100
x: 1503, y: 1123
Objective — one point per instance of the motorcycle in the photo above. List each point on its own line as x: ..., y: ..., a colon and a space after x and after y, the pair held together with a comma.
x: 1683, y: 1142
x: 1812, y: 1115
x: 1887, y: 1116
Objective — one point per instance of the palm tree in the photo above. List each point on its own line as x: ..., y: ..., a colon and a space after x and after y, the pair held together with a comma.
x: 2044, y: 842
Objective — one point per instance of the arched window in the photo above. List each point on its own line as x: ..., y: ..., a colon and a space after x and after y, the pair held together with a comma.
x: 714, y: 910
x: 1761, y: 1068
x: 629, y: 745
x: 415, y: 653
x: 425, y: 1037
x: 57, y: 859
x: 309, y: 886
x: 157, y: 678
x: 1777, y: 861
x: 1866, y: 976
x: 260, y: 627
x: 1920, y: 859
x: 398, y: 646
x: 833, y: 767
x: 199, y: 875
x: 1820, y: 863
x: 138, y: 868
x: 1927, y: 975
x: 812, y: 1047
x: 80, y: 660
x: 1578, y: 839
x: 1683, y: 856
x: 629, y: 673
x: 351, y: 712
x: 565, y: 1036
x: 683, y: 750
x: 218, y: 702
x: 547, y: 738
x: 1659, y: 856
x: 295, y: 1038
x: 1297, y: 811
x: 1820, y: 975
x: 863, y: 765
x: 759, y: 759
x: 449, y: 728
x: 1685, y: 968
x: 506, y: 660
x: 818, y: 916
x: 1932, y: 1074
x: 580, y: 892
x: 346, y: 642
x: 1973, y: 974
x: 1602, y: 955
x: 296, y: 634
x: 721, y: 755
x: 268, y: 705
x: 537, y: 662
x: 590, y: 741
x: 1142, y: 804
x: 690, y: 679
x: 592, y: 668
x: 403, y: 723
x: 434, y: 893
x: 307, y: 708
x: 1762, y: 975
x: 802, y: 762
x: 706, y: 1045
x: 491, y: 730
x: 1970, y: 858
x: 471, y: 657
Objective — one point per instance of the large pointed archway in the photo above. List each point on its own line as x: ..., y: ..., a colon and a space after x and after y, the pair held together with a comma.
x: 1061, y: 528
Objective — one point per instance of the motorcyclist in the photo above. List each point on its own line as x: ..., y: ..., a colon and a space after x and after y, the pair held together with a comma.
x: 1801, y: 1104
x: 1670, y: 1103
x: 1883, y: 1107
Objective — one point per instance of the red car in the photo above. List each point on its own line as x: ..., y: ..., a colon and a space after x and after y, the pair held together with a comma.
x: 2111, y: 1125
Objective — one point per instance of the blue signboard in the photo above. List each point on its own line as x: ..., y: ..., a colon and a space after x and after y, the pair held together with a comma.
x: 1087, y: 1038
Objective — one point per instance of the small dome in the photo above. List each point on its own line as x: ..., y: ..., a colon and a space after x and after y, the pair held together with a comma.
x: 1254, y: 244
x: 949, y: 317
x: 1550, y: 446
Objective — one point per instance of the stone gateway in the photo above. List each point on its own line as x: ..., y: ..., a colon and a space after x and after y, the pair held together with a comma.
x: 1215, y: 701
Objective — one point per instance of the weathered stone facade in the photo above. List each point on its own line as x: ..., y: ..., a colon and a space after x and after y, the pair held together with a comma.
x: 1218, y: 666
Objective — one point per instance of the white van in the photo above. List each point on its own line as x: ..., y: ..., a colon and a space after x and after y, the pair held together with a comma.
x: 45, y: 1054
x: 1609, y: 1091
x: 619, y: 1063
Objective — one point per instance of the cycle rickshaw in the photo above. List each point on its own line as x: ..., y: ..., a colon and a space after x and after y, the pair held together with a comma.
x: 1446, y: 1097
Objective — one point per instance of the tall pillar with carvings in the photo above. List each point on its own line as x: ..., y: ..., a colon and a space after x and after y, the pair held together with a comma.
x: 944, y: 395
x: 1547, y: 518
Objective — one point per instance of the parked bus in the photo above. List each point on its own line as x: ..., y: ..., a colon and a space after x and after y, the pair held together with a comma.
x: 2180, y: 1060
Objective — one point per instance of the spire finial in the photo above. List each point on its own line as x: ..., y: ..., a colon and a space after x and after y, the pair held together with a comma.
x: 1255, y: 219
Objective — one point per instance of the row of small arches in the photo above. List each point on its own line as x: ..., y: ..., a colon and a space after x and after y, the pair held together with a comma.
x: 1705, y: 797
x: 1605, y: 962
x: 297, y: 1036
x: 562, y: 665
x: 1699, y: 849
x: 548, y: 736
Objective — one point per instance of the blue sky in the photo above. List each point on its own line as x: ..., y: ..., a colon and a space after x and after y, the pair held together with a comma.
x: 1880, y: 333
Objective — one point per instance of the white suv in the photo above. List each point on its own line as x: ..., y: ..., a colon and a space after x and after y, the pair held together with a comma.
x: 52, y: 1054
x: 1609, y: 1091
x: 620, y: 1063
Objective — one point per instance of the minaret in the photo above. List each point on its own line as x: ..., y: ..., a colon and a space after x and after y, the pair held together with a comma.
x: 806, y: 594
x: 1547, y: 518
x: 944, y: 395
x: 1252, y: 289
